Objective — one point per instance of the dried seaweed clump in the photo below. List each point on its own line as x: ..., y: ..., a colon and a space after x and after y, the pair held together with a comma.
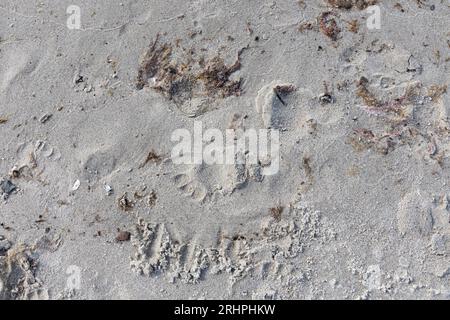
x: 124, y: 203
x: 155, y: 63
x: 350, y: 4
x: 328, y: 25
x: 152, y: 157
x: 364, y: 139
x: 182, y: 81
x: 216, y: 78
x: 401, y: 108
x: 436, y: 91
x: 364, y: 93
x: 397, y: 110
x: 276, y: 212
x: 405, y: 116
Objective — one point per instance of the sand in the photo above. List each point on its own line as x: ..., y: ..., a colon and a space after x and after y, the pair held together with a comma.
x: 94, y: 207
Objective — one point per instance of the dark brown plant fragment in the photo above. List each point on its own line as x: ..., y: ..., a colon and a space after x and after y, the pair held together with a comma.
x: 153, y: 157
x: 328, y: 25
x: 276, y: 212
x: 155, y: 61
x: 125, y: 203
x: 349, y: 4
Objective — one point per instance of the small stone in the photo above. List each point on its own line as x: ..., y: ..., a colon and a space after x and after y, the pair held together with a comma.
x: 45, y: 118
x: 7, y: 187
x: 326, y: 98
x: 78, y: 79
x: 108, y: 189
x: 76, y: 185
x: 123, y: 236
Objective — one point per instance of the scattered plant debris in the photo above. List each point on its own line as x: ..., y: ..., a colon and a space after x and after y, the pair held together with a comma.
x: 326, y: 97
x: 216, y: 78
x: 364, y: 93
x: 306, y: 26
x: 398, y: 110
x: 307, y: 166
x: 364, y: 139
x: 155, y: 60
x: 436, y: 91
x: 276, y: 212
x: 152, y: 156
x: 151, y: 200
x: 182, y: 81
x: 45, y: 118
x: 350, y: 4
x: 125, y: 203
x: 353, y: 26
x: 328, y: 25
x: 282, y: 90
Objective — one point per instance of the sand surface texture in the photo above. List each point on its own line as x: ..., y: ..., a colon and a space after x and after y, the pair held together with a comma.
x: 94, y: 207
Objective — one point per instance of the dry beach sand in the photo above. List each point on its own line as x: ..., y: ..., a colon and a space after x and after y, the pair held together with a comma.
x: 358, y: 210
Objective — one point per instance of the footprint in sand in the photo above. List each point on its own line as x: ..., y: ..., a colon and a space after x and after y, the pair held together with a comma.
x: 32, y: 157
x: 263, y: 252
x: 98, y: 165
x: 202, y: 182
x: 270, y: 101
x: 189, y: 184
x: 16, y: 64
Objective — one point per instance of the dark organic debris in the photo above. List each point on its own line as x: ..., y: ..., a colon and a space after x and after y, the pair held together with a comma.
x: 353, y: 26
x: 151, y: 200
x: 364, y: 93
x: 155, y: 60
x: 216, y: 78
x: 79, y: 79
x: 397, y: 109
x: 326, y: 98
x: 124, y: 203
x: 282, y: 90
x: 349, y: 4
x: 3, y: 120
x: 45, y: 118
x: 276, y: 212
x: 436, y: 91
x: 364, y: 139
x: 181, y: 81
x: 306, y: 26
x: 307, y: 166
x: 327, y: 22
x: 152, y: 156
x: 309, y: 181
x: 328, y: 25
x: 402, y: 125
